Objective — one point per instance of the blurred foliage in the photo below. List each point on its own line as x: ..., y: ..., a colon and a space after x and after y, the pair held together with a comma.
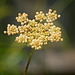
x: 12, y: 54
x: 5, y: 9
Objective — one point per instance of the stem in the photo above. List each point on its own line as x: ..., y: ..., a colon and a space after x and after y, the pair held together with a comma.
x: 29, y: 61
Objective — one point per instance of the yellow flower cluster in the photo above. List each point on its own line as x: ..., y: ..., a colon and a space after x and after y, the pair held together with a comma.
x: 22, y: 18
x: 40, y: 16
x: 11, y: 29
x: 51, y: 16
x: 34, y: 33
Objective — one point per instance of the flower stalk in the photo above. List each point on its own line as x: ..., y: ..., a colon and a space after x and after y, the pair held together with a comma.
x: 27, y: 65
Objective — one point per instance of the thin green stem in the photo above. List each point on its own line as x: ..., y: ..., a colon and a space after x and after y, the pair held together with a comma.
x: 29, y: 61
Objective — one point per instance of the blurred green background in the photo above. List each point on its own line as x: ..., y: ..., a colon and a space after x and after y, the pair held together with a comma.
x: 52, y: 59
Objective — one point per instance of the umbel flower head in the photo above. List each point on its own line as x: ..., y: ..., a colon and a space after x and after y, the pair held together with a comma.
x: 38, y: 31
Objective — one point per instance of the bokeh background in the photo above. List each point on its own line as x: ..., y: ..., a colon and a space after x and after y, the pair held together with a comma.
x: 52, y: 59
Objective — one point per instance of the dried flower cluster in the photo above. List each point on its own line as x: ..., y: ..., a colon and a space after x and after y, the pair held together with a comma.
x: 38, y: 31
